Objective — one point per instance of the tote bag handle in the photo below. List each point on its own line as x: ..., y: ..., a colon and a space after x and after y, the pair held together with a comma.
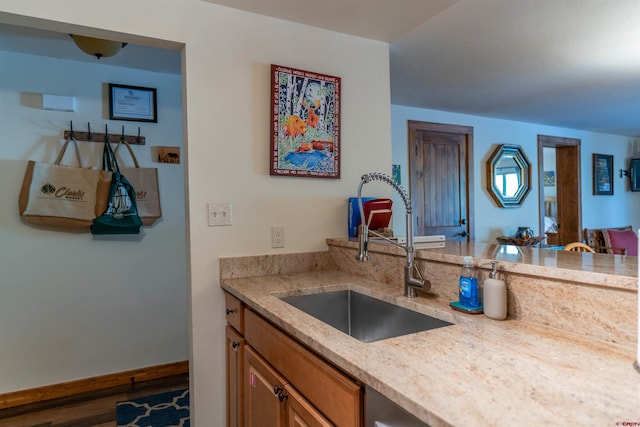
x: 133, y: 156
x: 64, y: 149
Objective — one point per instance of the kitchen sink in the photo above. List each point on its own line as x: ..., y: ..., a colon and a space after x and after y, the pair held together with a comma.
x: 363, y: 317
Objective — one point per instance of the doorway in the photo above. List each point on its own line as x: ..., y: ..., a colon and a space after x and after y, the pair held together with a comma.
x: 559, y: 180
x: 441, y: 179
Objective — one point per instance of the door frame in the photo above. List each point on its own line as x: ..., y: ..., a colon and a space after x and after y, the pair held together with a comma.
x: 570, y: 179
x: 469, y: 189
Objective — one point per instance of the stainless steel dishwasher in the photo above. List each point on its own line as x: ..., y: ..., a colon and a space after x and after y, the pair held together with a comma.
x: 381, y: 412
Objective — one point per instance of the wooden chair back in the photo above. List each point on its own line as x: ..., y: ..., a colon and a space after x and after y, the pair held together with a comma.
x: 578, y: 247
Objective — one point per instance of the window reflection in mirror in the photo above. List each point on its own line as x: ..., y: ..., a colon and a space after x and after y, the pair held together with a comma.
x: 508, y: 175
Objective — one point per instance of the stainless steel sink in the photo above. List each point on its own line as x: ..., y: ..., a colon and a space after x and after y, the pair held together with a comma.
x: 363, y: 317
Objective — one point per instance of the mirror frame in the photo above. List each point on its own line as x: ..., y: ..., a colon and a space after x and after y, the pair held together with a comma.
x: 525, y: 175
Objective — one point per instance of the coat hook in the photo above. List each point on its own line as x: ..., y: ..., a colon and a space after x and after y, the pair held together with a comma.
x: 89, y: 134
x: 138, y: 141
x: 72, y: 135
x: 106, y: 134
x: 122, y: 138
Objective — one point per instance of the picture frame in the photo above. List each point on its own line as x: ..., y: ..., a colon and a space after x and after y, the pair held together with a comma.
x: 602, y: 175
x: 133, y: 103
x: 549, y: 178
x: 305, y: 123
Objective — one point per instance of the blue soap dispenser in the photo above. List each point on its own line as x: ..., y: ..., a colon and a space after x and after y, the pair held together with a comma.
x: 468, y: 289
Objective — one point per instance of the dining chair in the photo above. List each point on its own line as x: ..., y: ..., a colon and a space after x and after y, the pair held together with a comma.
x: 578, y: 247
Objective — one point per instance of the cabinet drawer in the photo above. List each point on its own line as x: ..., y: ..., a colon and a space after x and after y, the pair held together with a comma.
x: 234, y: 308
x: 335, y: 395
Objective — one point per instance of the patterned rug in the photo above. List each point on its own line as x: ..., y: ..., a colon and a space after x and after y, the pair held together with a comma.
x: 160, y: 410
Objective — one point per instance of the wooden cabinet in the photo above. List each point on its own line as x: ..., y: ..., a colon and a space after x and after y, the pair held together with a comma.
x: 234, y: 348
x: 272, y: 380
x: 235, y: 367
x: 265, y: 393
x: 300, y: 413
x: 271, y: 402
x: 335, y: 395
x: 234, y: 309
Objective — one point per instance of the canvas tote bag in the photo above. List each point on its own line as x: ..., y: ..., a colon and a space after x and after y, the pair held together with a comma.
x: 121, y: 215
x: 145, y: 182
x: 63, y: 196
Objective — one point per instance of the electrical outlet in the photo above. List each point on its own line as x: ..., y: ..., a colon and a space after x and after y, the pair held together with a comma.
x: 219, y: 213
x: 277, y: 237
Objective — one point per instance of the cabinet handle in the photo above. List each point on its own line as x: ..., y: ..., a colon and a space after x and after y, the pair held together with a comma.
x: 235, y: 344
x: 277, y: 389
x: 229, y: 311
x: 282, y: 396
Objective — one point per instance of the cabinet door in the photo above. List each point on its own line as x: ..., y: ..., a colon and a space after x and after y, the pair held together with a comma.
x: 336, y: 396
x: 235, y: 365
x: 263, y: 391
x: 300, y: 413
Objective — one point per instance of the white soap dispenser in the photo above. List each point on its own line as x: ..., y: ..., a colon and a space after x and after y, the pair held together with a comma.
x: 495, y: 295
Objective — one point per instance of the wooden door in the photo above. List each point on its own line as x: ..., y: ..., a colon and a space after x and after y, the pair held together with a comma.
x: 568, y: 191
x: 263, y: 391
x: 441, y: 179
x: 235, y: 362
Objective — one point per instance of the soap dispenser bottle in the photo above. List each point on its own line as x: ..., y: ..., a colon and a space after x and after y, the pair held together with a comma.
x: 469, y: 291
x: 495, y: 295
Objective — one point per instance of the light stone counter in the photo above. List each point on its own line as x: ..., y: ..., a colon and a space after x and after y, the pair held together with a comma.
x: 616, y: 271
x: 477, y: 372
x: 593, y: 295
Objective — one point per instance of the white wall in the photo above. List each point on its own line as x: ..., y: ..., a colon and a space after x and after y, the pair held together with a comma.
x: 226, y: 73
x: 597, y: 211
x: 73, y: 305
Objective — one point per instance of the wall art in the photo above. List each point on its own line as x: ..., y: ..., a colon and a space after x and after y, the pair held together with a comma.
x: 549, y: 178
x: 602, y: 175
x: 305, y: 130
x: 169, y: 154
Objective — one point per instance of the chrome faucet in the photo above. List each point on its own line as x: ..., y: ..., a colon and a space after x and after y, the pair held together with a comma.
x: 411, y: 283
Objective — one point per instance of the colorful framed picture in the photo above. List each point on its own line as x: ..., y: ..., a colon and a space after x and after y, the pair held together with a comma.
x: 549, y: 178
x: 305, y: 130
x: 602, y: 175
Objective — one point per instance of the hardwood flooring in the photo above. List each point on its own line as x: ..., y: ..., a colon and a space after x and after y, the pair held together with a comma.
x: 91, y: 409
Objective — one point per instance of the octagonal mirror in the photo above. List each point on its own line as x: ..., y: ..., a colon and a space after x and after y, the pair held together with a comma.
x: 508, y: 176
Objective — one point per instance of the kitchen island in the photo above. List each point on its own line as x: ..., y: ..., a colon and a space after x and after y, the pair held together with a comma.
x: 522, y: 371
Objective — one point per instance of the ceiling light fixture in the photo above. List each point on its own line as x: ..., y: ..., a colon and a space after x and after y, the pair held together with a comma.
x: 97, y: 47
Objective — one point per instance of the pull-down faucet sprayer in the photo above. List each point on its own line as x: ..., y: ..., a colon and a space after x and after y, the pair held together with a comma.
x: 411, y: 283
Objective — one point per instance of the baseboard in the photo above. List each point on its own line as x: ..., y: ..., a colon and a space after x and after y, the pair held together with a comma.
x: 54, y: 391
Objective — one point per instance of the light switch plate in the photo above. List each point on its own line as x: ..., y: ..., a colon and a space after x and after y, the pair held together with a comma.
x: 219, y: 213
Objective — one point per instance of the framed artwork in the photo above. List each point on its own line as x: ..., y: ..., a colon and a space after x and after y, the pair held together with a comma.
x: 168, y: 154
x: 549, y: 178
x: 133, y: 103
x: 602, y: 174
x: 305, y: 123
x: 395, y: 173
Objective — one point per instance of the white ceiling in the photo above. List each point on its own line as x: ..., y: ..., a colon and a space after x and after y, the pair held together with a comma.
x: 566, y: 63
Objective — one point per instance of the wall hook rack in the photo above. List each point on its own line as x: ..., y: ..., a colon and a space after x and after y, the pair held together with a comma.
x: 101, y: 137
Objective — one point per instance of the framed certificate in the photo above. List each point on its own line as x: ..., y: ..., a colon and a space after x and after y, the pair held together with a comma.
x: 132, y: 103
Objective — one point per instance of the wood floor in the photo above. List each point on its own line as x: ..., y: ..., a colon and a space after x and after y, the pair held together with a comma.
x: 92, y: 409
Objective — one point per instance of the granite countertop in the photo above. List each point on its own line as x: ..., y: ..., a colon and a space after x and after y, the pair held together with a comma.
x: 597, y: 269
x: 475, y: 372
